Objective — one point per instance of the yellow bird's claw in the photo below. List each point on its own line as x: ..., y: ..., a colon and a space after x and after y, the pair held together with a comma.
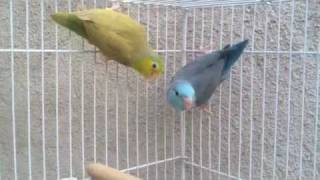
x: 116, y: 6
x: 81, y: 7
x: 146, y: 83
x: 100, y: 59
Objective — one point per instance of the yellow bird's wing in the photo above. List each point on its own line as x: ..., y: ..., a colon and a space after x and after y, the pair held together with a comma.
x: 115, y: 34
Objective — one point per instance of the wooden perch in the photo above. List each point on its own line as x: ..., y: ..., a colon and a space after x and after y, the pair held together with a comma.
x: 101, y: 172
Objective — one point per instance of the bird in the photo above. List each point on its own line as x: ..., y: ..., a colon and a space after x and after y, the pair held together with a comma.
x: 193, y: 85
x: 118, y: 36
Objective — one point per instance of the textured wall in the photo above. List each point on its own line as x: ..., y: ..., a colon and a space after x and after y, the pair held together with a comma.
x: 148, y: 130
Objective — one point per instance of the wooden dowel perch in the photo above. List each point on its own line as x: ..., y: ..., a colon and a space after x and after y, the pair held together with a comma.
x: 101, y: 172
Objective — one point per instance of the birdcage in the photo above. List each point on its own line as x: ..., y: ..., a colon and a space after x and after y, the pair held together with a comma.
x: 62, y: 106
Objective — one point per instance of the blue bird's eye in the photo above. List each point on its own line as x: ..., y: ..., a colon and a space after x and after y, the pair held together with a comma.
x: 177, y: 93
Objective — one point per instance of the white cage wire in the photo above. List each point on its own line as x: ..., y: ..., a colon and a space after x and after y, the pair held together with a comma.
x: 200, y: 3
x: 59, y: 110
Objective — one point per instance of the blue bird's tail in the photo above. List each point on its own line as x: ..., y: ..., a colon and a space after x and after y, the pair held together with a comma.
x: 231, y: 54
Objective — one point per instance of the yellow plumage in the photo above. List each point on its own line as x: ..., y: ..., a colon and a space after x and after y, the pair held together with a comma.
x: 118, y: 37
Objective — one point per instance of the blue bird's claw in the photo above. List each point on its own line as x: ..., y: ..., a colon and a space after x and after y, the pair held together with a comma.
x: 204, y: 50
x: 205, y: 108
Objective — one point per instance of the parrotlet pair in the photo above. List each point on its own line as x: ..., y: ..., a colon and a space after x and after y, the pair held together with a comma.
x: 118, y: 37
x: 122, y: 39
x: 194, y: 84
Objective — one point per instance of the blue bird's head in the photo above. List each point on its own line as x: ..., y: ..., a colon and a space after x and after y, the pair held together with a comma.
x: 181, y: 95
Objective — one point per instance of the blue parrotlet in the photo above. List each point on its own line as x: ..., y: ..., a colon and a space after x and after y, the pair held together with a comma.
x: 194, y: 84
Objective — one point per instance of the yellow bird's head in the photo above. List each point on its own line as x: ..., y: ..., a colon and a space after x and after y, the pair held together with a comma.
x: 150, y: 66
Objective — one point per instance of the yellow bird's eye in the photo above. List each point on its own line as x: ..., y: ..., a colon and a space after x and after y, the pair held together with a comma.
x: 154, y: 65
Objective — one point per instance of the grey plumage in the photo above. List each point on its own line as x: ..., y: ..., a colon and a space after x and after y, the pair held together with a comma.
x: 207, y: 72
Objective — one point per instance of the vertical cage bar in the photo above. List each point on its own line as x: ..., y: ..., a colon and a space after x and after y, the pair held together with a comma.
x: 210, y: 117
x: 165, y: 80
x: 82, y: 114
x: 200, y: 133
x: 277, y: 97
x: 137, y: 112
x: 193, y: 31
x: 82, y: 121
x: 202, y: 27
x: 156, y: 105
x: 70, y: 102
x: 315, y: 148
x: 117, y: 116
x: 229, y: 100
x: 240, y: 104
x: 192, y: 111
x: 251, y: 93
x: 13, y: 92
x: 201, y: 113
x: 220, y: 95
x: 94, y: 112
x: 117, y: 113
x: 303, y: 87
x: 264, y: 92
x: 147, y: 97
x: 174, y: 70
x: 192, y: 141
x: 57, y: 94
x: 127, y: 105
x: 42, y: 97
x: 147, y: 127
x: 70, y: 116
x: 106, y: 114
x: 289, y: 88
x: 28, y: 93
x: 127, y: 119
x: 94, y: 103
x: 183, y: 117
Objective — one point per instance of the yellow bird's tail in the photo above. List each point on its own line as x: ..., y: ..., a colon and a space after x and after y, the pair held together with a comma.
x: 70, y: 21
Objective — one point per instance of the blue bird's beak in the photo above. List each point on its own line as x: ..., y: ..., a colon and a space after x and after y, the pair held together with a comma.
x: 187, y: 103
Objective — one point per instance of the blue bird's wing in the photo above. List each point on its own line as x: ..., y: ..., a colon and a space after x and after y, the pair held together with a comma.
x: 207, y: 72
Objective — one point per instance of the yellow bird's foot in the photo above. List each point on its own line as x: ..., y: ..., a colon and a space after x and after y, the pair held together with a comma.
x: 81, y: 7
x: 146, y: 83
x: 100, y: 59
x: 116, y: 6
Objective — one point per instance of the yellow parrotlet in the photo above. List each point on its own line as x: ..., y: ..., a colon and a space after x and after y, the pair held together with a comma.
x: 118, y: 37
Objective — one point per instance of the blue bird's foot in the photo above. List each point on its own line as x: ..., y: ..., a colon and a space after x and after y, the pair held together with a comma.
x: 202, y: 51
x: 205, y: 108
x: 205, y: 50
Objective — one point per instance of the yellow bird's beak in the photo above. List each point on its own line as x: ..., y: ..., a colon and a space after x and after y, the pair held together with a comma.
x: 152, y: 77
